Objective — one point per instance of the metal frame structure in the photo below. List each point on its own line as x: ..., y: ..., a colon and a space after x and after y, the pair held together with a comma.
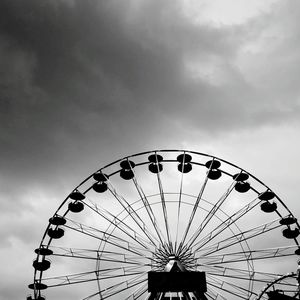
x: 285, y: 287
x: 130, y: 216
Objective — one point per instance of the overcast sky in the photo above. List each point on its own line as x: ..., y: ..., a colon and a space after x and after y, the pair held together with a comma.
x: 84, y: 83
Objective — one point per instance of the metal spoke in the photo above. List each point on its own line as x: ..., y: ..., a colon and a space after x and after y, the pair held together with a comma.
x: 120, y: 224
x: 238, y: 278
x: 113, y: 290
x: 210, y: 215
x: 246, y: 255
x: 123, y: 259
x: 94, y: 254
x: 226, y: 224
x: 240, y: 237
x: 196, y: 205
x: 239, y: 273
x: 231, y: 292
x: 138, y: 293
x: 105, y: 237
x: 165, y: 212
x: 230, y: 287
x: 179, y: 206
x: 235, y: 288
x: 85, y: 277
x: 132, y: 213
x: 211, y: 293
x: 148, y: 209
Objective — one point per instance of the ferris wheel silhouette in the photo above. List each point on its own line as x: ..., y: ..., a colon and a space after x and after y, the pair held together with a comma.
x: 166, y: 224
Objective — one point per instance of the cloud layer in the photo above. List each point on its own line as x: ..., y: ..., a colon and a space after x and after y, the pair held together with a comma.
x: 74, y: 68
x: 83, y: 82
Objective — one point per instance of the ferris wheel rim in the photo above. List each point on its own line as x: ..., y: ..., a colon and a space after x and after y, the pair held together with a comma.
x: 127, y: 158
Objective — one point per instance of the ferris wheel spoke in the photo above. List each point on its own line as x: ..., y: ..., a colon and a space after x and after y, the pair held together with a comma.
x: 286, y: 287
x: 213, y: 294
x: 118, y: 288
x: 178, y: 208
x: 90, y: 253
x: 149, y: 210
x: 239, y: 273
x: 247, y: 255
x: 240, y: 237
x: 88, y: 276
x: 165, y: 212
x: 138, y: 292
x: 222, y: 293
x: 195, y: 207
x: 229, y: 288
x: 133, y: 214
x: 226, y: 223
x: 233, y: 286
x: 105, y: 237
x: 238, y: 278
x: 118, y: 223
x: 114, y: 258
x: 210, y: 215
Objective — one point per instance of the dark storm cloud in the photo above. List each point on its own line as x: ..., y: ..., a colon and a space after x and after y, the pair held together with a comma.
x: 76, y: 75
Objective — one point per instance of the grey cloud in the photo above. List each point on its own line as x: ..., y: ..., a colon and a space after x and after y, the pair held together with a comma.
x: 103, y: 73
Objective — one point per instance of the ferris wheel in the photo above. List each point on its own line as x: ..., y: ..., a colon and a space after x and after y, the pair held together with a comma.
x: 148, y: 212
x: 285, y: 287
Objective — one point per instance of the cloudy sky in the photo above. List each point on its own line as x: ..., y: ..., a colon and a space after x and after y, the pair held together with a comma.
x: 84, y: 83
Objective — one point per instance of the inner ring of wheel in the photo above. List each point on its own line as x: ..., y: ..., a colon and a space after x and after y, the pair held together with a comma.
x: 161, y: 256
